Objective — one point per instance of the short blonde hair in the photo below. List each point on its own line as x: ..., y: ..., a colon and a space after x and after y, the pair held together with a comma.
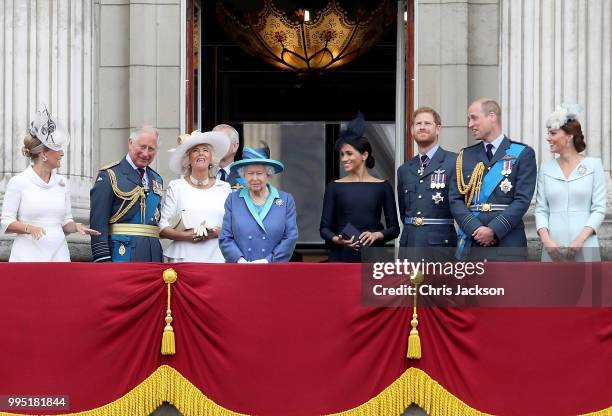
x: 186, y: 166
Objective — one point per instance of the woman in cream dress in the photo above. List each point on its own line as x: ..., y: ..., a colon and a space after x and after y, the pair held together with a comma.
x: 197, y: 198
x: 36, y: 204
x: 571, y: 196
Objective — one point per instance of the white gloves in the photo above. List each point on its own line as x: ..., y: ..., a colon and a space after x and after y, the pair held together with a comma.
x: 261, y: 261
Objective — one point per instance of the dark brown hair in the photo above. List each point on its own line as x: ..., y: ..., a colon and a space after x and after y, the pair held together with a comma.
x: 573, y: 128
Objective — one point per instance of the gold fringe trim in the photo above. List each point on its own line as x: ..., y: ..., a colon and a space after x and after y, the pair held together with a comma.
x: 164, y: 385
x: 168, y: 385
x: 604, y: 412
x: 414, y: 386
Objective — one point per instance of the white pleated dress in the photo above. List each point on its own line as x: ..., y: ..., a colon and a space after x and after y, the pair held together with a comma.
x: 30, y: 200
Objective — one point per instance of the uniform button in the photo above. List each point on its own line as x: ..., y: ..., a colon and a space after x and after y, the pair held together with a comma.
x: 263, y: 249
x: 250, y: 237
x: 406, y: 191
x: 446, y: 241
x: 249, y: 249
x: 421, y: 181
x: 263, y: 238
x: 420, y: 197
x: 489, y: 168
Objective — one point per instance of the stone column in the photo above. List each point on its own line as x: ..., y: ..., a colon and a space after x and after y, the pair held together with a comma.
x: 556, y: 51
x: 457, y: 60
x: 46, y: 57
x: 140, y: 75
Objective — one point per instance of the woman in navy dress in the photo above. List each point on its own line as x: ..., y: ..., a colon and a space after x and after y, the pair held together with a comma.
x: 358, y: 199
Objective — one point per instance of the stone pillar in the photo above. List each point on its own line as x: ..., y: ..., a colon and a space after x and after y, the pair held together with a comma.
x: 46, y: 57
x: 458, y: 49
x: 557, y: 51
x: 140, y: 81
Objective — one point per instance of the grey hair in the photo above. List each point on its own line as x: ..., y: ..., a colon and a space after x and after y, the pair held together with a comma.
x: 186, y: 167
x: 229, y: 130
x: 269, y: 170
x: 135, y: 134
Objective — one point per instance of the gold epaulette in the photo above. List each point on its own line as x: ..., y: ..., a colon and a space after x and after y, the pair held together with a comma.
x: 129, y: 198
x: 110, y: 165
x: 472, y: 188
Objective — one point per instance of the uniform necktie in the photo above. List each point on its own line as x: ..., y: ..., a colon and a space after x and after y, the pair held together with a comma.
x: 490, y: 151
x: 424, y: 160
x: 141, y: 173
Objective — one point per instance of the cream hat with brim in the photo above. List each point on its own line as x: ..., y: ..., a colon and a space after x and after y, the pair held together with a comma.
x: 220, y: 143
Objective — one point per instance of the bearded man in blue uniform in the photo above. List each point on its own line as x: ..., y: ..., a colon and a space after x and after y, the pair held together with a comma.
x: 125, y: 204
x: 496, y: 179
x: 423, y: 184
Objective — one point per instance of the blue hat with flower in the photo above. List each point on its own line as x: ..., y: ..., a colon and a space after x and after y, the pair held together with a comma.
x: 259, y: 156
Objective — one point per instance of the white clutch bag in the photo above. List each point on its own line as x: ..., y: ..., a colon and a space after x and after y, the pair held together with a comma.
x: 181, y: 221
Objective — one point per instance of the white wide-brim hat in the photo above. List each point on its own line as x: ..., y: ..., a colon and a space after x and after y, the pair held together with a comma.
x: 220, y: 143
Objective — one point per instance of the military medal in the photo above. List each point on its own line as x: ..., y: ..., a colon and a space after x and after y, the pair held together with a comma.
x: 121, y: 249
x: 157, y: 187
x: 421, y: 170
x: 505, y: 186
x: 581, y: 170
x: 437, y: 198
x: 438, y: 179
x: 157, y: 215
x: 507, y: 169
x: 278, y: 202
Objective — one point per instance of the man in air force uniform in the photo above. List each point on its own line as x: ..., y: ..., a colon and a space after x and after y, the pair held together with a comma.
x: 423, y: 184
x: 125, y: 204
x: 495, y: 183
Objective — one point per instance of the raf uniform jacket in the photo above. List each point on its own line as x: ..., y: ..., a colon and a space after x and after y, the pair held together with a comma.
x: 507, y: 224
x: 273, y: 238
x: 417, y: 198
x: 105, y: 203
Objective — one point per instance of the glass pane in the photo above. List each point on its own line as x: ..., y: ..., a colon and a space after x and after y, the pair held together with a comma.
x: 301, y: 148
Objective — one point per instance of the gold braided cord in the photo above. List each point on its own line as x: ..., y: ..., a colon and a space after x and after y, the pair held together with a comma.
x: 128, y: 197
x: 168, y: 385
x: 473, y: 186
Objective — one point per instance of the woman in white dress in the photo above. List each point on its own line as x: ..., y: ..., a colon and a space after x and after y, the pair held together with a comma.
x: 192, y: 212
x: 36, y: 204
x: 571, y: 197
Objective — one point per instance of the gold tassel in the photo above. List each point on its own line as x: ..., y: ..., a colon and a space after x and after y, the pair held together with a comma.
x: 414, y: 340
x: 168, y: 345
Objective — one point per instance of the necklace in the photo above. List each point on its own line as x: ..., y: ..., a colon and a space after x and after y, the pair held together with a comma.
x: 198, y: 182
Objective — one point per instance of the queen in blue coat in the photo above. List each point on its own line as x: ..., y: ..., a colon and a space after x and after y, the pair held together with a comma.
x: 259, y: 225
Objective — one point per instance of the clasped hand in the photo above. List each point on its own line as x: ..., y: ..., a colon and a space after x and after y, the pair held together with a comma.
x: 484, y: 236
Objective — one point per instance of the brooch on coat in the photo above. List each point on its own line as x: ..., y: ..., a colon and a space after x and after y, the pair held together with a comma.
x: 505, y: 186
x: 278, y: 202
x: 582, y: 170
x: 62, y: 183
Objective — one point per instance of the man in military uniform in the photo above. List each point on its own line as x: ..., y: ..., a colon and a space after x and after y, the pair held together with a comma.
x: 495, y: 183
x: 423, y: 184
x: 224, y: 173
x: 125, y: 204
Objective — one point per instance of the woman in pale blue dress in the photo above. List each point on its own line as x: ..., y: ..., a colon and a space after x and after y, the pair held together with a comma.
x: 571, y: 197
